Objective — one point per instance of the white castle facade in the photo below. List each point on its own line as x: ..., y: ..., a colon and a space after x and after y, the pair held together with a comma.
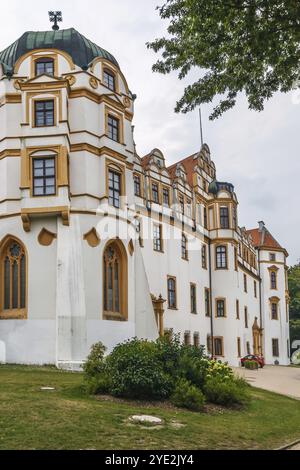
x: 99, y: 244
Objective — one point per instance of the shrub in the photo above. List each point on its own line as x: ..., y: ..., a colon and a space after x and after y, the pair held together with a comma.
x: 100, y: 383
x: 219, y: 369
x: 251, y: 365
x: 227, y: 392
x: 188, y: 396
x: 136, y: 371
x: 95, y: 363
x: 192, y: 367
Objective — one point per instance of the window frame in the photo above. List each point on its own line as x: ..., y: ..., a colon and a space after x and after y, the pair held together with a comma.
x: 157, y: 247
x: 36, y: 101
x: 155, y: 199
x: 221, y: 339
x: 114, y: 172
x: 246, y: 318
x: 44, y: 177
x: 207, y: 301
x: 121, y: 315
x: 275, y: 349
x: 204, y: 256
x: 218, y: 301
x: 137, y: 182
x: 221, y: 257
x: 172, y: 306
x: 184, y: 247
x: 224, y: 219
x: 19, y: 312
x: 44, y: 60
x: 165, y: 191
x: 108, y: 72
x: 193, y: 297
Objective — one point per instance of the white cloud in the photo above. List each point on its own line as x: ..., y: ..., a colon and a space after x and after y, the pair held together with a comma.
x: 257, y: 152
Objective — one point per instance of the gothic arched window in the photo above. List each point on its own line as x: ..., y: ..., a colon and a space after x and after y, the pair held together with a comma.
x: 115, y: 282
x: 13, y: 279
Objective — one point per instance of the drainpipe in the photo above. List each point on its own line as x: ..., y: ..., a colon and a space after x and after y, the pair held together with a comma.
x: 210, y: 301
x: 260, y: 298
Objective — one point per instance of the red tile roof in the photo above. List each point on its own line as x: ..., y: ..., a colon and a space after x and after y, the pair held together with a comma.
x: 263, y: 239
x: 188, y: 163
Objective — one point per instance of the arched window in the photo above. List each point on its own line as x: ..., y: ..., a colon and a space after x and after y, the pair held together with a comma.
x: 13, y: 279
x: 115, y: 282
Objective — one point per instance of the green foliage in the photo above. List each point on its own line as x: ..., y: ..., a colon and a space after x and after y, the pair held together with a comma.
x: 137, y: 372
x: 160, y: 369
x: 294, y: 290
x: 227, y: 392
x: 251, y: 365
x: 250, y: 46
x: 95, y: 364
x: 188, y: 396
x: 294, y: 330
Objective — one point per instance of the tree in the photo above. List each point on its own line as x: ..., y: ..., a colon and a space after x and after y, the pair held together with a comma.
x: 240, y: 45
x: 294, y: 289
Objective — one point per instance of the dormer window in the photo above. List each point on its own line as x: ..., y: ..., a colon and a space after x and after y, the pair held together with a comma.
x: 109, y: 80
x: 45, y: 65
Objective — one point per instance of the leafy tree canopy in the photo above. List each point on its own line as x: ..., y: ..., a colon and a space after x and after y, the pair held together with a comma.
x: 294, y: 290
x: 240, y: 45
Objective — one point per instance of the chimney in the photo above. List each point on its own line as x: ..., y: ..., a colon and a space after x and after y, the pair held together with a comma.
x: 262, y: 229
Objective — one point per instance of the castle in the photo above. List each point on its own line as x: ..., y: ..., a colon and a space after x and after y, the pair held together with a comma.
x: 100, y: 244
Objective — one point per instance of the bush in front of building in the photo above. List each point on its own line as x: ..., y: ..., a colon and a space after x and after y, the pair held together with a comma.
x: 162, y: 369
x: 137, y: 372
x: 251, y: 365
x: 188, y: 396
x: 227, y: 392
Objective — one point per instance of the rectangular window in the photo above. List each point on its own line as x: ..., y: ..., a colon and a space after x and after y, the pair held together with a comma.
x: 109, y: 80
x: 187, y: 338
x: 272, y: 256
x: 224, y: 217
x: 274, y: 309
x: 114, y: 188
x: 218, y: 346
x: 44, y: 66
x: 44, y: 113
x: 220, y: 308
x: 166, y: 197
x: 255, y: 288
x: 204, y: 256
x: 181, y: 204
x: 245, y: 283
x: 205, y: 217
x: 113, y: 127
x: 248, y: 347
x: 44, y: 180
x: 237, y: 308
x: 239, y: 347
x: 193, y: 298
x: 172, y: 301
x: 246, y: 317
x: 235, y: 259
x: 221, y: 257
x: 137, y: 185
x: 273, y: 276
x: 184, y: 247
x: 157, y: 237
x: 208, y: 344
x: 188, y: 208
x: 155, y: 197
x: 275, y: 347
x: 207, y: 302
x: 196, y: 340
x: 234, y: 217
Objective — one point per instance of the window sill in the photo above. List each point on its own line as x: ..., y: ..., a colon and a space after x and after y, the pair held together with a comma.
x: 158, y: 251
x: 113, y: 316
x: 14, y: 314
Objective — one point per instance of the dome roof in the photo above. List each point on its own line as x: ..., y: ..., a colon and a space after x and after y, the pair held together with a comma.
x: 82, y: 50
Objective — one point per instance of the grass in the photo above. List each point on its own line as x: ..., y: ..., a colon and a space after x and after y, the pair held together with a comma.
x: 66, y: 418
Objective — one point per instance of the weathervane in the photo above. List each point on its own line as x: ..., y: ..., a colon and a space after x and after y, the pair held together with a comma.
x: 55, y: 17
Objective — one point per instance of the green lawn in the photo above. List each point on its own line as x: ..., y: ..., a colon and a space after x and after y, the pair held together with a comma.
x: 68, y: 419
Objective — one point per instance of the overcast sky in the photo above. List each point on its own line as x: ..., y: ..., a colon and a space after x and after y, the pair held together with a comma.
x: 257, y: 152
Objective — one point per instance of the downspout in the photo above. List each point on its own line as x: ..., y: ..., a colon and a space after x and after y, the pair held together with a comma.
x: 210, y: 301
x: 260, y: 298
